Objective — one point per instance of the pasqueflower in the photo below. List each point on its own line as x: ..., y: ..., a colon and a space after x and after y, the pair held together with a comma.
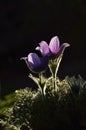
x: 53, y: 48
x: 36, y: 63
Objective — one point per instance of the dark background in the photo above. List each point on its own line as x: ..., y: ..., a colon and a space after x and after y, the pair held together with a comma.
x: 23, y: 24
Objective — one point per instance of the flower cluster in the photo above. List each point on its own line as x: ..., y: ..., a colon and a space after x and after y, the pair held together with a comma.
x: 36, y: 63
x: 51, y: 56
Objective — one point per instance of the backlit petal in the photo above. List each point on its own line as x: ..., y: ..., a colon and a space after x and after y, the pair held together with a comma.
x: 54, y: 45
x: 33, y: 60
x: 44, y: 48
x: 62, y: 48
x: 37, y: 64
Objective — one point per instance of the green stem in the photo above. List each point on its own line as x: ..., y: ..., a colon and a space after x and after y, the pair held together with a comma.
x: 41, y: 82
x: 58, y: 64
x: 54, y: 66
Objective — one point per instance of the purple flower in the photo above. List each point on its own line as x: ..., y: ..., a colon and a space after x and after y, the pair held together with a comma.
x: 43, y: 48
x: 35, y: 63
x: 53, y: 48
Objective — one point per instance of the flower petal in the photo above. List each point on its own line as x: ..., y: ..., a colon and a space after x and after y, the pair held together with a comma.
x: 44, y: 48
x: 54, y: 45
x: 25, y: 59
x: 37, y: 64
x: 62, y: 48
x: 44, y: 62
x: 33, y: 61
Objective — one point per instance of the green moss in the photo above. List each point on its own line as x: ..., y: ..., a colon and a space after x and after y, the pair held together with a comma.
x: 56, y: 109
